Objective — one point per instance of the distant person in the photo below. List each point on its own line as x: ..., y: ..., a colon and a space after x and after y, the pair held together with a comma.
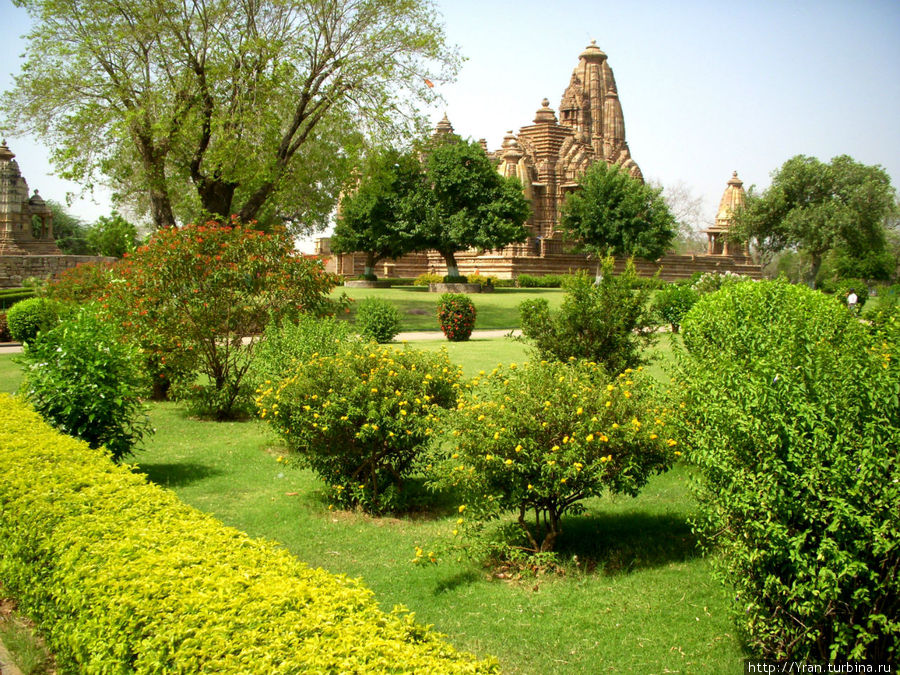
x: 852, y: 300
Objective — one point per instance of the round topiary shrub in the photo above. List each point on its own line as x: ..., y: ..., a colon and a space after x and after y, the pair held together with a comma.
x: 377, y: 319
x: 456, y: 314
x: 28, y: 317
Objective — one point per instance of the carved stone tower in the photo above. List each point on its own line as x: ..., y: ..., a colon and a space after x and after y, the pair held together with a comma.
x: 21, y: 214
x: 732, y: 201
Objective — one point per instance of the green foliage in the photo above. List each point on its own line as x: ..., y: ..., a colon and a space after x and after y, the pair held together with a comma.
x: 122, y: 577
x: 70, y: 232
x: 380, y: 215
x: 482, y: 280
x: 285, y: 344
x: 538, y: 440
x: 191, y: 295
x: 546, y: 281
x: 28, y: 317
x: 673, y: 302
x: 80, y: 284
x: 360, y: 417
x: 202, y: 120
x: 85, y: 381
x: 609, y: 322
x: 456, y: 316
x: 467, y: 203
x: 614, y: 214
x: 790, y: 411
x: 710, y: 282
x: 377, y: 320
x: 425, y: 279
x: 819, y: 208
x: 112, y: 236
x: 841, y: 289
x: 10, y: 296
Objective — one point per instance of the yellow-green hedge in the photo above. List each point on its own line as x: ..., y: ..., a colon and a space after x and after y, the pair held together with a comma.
x: 124, y: 578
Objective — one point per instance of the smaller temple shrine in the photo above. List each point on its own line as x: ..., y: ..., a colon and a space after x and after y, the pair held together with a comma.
x: 26, y: 222
x: 732, y: 201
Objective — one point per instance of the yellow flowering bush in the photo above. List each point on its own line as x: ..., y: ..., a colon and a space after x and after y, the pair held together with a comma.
x: 360, y: 417
x: 536, y: 440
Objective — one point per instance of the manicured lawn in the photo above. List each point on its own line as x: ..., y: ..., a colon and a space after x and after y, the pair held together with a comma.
x: 10, y: 374
x: 418, y: 307
x: 640, y: 599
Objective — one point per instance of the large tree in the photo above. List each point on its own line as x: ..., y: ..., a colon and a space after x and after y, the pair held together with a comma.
x: 612, y: 213
x: 380, y: 215
x: 817, y: 208
x: 468, y: 203
x: 221, y: 106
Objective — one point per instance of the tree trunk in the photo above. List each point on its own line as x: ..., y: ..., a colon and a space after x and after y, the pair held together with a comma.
x: 216, y: 197
x: 450, y: 260
x: 369, y: 269
x: 255, y: 202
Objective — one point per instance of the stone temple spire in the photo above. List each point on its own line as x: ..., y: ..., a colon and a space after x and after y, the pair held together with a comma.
x: 444, y: 126
x: 590, y: 106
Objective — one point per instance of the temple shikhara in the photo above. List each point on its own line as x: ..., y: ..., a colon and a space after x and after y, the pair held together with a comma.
x: 548, y: 156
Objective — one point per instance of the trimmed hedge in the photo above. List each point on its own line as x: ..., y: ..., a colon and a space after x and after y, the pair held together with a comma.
x: 121, y: 577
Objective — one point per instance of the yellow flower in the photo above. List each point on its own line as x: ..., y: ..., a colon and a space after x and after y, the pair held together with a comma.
x: 374, y: 390
x: 518, y: 448
x: 610, y: 387
x: 563, y: 481
x: 489, y: 457
x: 608, y: 403
x: 653, y: 437
x: 462, y: 508
x: 496, y: 435
x: 589, y: 438
x: 671, y: 442
x: 626, y: 394
x: 615, y: 425
x: 579, y: 411
x: 554, y: 448
x: 508, y: 462
x: 530, y: 486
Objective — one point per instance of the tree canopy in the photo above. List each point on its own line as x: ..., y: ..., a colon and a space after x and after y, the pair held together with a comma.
x: 223, y: 106
x: 468, y: 203
x: 380, y: 216
x: 612, y: 213
x: 819, y: 208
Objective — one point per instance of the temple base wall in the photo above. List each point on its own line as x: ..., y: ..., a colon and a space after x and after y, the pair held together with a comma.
x: 670, y: 267
x: 14, y: 269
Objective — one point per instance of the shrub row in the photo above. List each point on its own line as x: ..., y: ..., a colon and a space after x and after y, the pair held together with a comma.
x: 121, y: 577
x: 10, y: 296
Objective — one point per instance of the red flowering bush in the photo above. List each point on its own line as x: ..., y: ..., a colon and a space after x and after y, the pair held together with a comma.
x: 191, y: 296
x: 456, y: 314
x: 80, y: 284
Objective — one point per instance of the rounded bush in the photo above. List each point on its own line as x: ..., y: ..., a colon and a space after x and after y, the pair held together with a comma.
x: 359, y: 418
x: 28, y: 317
x: 673, y: 302
x: 82, y: 378
x: 426, y: 279
x: 789, y: 408
x: 456, y: 314
x: 377, y: 320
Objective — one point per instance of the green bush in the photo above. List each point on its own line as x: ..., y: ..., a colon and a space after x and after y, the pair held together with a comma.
x: 83, y: 379
x: 28, y: 317
x: 546, y: 281
x: 359, y: 418
x: 377, y: 320
x: 483, y: 280
x: 426, y: 279
x: 10, y: 296
x: 673, y: 302
x: 841, y: 289
x: 288, y: 343
x: 610, y: 322
x: 80, y: 284
x: 456, y: 316
x: 710, y: 282
x: 124, y: 578
x: 790, y: 411
x: 537, y: 440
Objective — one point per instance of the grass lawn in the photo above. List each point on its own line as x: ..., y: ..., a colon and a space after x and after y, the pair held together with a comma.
x: 640, y: 600
x: 418, y: 307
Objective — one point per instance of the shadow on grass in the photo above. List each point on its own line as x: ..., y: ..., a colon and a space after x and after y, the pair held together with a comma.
x: 625, y: 542
x: 456, y: 581
x: 177, y: 475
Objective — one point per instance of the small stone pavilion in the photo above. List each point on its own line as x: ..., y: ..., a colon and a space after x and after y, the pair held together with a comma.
x: 732, y: 201
x: 548, y: 157
x: 27, y: 246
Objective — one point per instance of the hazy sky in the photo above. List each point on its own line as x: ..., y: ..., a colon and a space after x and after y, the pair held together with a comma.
x: 706, y: 87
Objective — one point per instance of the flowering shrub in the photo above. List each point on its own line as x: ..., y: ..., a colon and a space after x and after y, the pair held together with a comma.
x: 456, y: 314
x: 609, y: 322
x: 790, y: 410
x: 537, y: 440
x: 85, y: 381
x: 191, y: 295
x: 710, y: 282
x: 359, y: 417
x: 377, y: 320
x: 80, y: 284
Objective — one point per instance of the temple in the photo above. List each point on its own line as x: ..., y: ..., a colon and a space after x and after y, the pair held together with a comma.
x: 548, y: 157
x: 26, y: 222
x: 732, y: 201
